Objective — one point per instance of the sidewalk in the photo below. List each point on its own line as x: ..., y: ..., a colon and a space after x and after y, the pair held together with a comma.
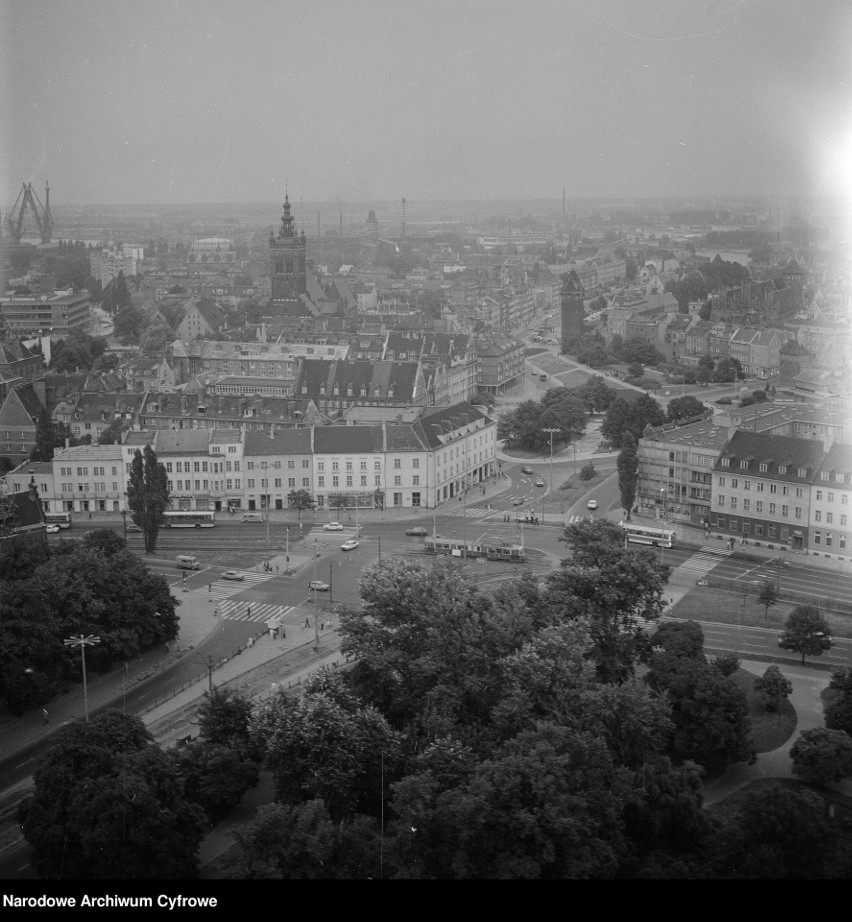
x: 805, y: 698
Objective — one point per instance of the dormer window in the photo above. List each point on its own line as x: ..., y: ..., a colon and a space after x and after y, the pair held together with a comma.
x: 782, y: 468
x: 824, y: 475
x: 304, y: 389
x: 726, y: 462
x: 764, y: 467
x: 363, y: 391
x: 744, y: 465
x: 839, y: 478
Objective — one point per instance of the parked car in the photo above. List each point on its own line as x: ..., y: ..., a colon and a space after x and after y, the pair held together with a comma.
x: 539, y: 482
x: 592, y: 504
x: 332, y: 526
x: 233, y: 574
x: 349, y: 545
x: 134, y: 527
x: 51, y: 529
x: 418, y: 531
x: 318, y: 585
x: 517, y: 502
x: 526, y: 470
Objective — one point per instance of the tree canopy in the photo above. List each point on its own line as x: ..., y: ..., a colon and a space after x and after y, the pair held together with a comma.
x: 148, y: 494
x: 631, y: 416
x: 108, y: 804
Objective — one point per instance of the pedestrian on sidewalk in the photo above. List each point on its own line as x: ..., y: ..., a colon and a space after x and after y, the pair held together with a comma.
x: 248, y: 611
x: 45, y: 716
x: 307, y: 623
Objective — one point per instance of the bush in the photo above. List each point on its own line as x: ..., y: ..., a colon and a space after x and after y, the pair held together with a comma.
x: 725, y: 663
x: 587, y: 471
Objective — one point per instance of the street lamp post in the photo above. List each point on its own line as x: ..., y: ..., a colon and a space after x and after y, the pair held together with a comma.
x: 264, y: 466
x: 83, y: 641
x: 665, y: 519
x: 551, y: 433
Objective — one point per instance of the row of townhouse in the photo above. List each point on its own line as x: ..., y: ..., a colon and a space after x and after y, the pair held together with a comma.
x: 421, y: 464
x: 784, y: 480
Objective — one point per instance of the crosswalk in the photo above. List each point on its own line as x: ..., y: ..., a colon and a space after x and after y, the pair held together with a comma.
x: 223, y: 589
x: 253, y: 611
x: 705, y: 560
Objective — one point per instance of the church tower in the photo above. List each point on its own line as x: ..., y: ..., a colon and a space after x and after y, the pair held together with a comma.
x: 287, y: 270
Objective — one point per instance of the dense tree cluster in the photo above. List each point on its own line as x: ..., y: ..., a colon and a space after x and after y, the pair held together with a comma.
x: 563, y: 408
x: 631, y: 416
x: 94, y: 588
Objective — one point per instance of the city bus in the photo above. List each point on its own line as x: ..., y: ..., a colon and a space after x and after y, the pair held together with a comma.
x: 189, y: 518
x: 512, y: 553
x: 62, y: 519
x: 647, y: 534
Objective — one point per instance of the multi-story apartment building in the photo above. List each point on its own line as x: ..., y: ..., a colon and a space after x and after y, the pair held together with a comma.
x: 105, y: 265
x: 35, y: 476
x: 277, y: 464
x: 830, y: 506
x: 261, y: 360
x: 762, y: 488
x: 675, y: 470
x: 90, y: 478
x: 501, y: 363
x: 349, y: 466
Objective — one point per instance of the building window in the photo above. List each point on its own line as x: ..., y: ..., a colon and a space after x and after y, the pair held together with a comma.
x: 734, y: 483
x: 415, y: 463
x: 291, y: 482
x: 397, y: 464
x: 722, y: 501
x: 818, y: 516
x: 320, y: 465
x: 733, y: 502
x: 746, y: 484
x: 771, y: 531
x: 746, y: 505
x: 828, y: 539
x: 378, y: 480
x: 829, y: 518
x: 721, y: 481
x: 321, y: 481
x: 251, y: 483
x: 758, y: 530
x: 416, y: 480
x: 773, y: 487
x: 348, y: 480
x: 397, y: 481
x: 785, y: 511
x: 772, y: 508
x: 819, y: 495
x: 335, y: 480
x: 817, y: 537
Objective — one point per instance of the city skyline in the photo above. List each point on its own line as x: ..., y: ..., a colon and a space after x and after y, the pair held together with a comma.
x: 215, y: 102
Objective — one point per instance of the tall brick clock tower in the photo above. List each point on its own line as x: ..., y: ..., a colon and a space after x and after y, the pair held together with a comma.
x: 287, y: 266
x: 572, y: 309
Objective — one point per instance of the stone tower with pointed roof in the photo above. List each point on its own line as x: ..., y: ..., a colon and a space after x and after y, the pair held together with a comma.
x: 572, y: 309
x: 287, y: 253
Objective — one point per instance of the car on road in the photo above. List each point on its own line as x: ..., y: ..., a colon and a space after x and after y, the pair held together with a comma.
x: 349, y: 545
x: 418, y: 531
x: 592, y: 504
x: 526, y: 470
x: 51, y: 529
x: 318, y: 585
x: 332, y: 526
x: 134, y: 527
x: 232, y: 574
x: 517, y: 502
x: 539, y: 482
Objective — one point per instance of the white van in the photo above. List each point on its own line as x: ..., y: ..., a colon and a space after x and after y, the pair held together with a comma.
x: 187, y: 562
x: 252, y: 516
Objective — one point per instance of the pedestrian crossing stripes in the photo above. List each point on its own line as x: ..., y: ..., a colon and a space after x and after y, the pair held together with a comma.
x: 705, y: 560
x: 223, y: 589
x: 471, y: 512
x: 252, y: 611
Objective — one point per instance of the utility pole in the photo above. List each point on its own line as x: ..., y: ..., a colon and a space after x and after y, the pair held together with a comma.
x: 330, y: 571
x: 287, y: 551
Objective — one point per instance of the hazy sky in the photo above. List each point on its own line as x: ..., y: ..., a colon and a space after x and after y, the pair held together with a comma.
x: 179, y: 101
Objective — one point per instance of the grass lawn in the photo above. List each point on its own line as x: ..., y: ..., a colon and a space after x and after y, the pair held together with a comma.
x: 705, y: 603
x: 768, y: 730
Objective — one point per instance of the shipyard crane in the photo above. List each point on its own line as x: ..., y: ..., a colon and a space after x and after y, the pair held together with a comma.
x: 15, y: 219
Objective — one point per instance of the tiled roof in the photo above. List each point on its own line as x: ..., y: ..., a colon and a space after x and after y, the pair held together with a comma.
x: 280, y: 442
x: 182, y: 441
x: 348, y: 439
x: 774, y: 450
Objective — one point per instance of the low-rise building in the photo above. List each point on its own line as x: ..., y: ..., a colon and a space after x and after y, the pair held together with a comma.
x: 58, y: 314
x: 90, y: 478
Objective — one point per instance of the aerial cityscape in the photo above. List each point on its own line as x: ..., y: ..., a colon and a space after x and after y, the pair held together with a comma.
x: 425, y: 444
